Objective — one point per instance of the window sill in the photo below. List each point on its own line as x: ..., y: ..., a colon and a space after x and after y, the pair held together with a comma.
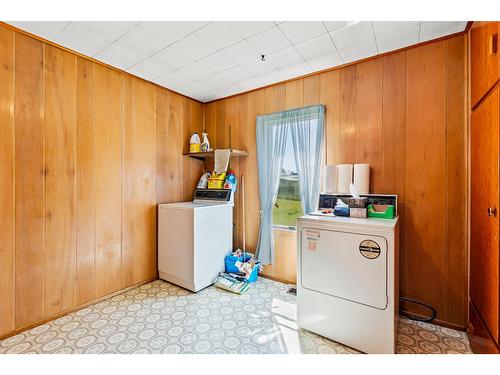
x: 283, y: 228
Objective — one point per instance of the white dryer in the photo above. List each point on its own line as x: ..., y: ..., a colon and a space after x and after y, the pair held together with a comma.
x: 194, y: 237
x: 347, y: 280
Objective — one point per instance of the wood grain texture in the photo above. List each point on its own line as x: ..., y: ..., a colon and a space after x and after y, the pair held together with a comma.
x: 312, y: 90
x: 394, y: 145
x: 75, y: 135
x: 138, y: 197
x: 108, y: 174
x: 457, y: 176
x: 484, y: 253
x: 426, y: 175
x: 403, y: 113
x: 29, y: 179
x: 330, y: 98
x: 7, y: 197
x: 60, y: 196
x: 285, y: 262
x: 347, y: 137
x: 294, y: 94
x: 85, y: 181
x: 484, y: 64
x: 369, y: 134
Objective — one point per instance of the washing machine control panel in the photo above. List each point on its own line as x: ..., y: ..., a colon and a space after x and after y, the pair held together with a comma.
x: 221, y: 195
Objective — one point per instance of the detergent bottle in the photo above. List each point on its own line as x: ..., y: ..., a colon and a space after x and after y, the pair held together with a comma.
x: 205, y: 145
x: 194, y: 143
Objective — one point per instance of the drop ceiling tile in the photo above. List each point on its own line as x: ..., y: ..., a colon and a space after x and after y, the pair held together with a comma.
x: 120, y: 56
x: 241, y: 53
x: 326, y: 61
x: 298, y: 31
x: 185, y: 51
x: 151, y: 68
x: 353, y: 34
x: 248, y: 28
x: 255, y: 68
x: 261, y: 80
x: 44, y: 29
x: 335, y: 25
x: 146, y: 39
x: 315, y: 47
x: 225, y: 77
x: 286, y: 57
x: 435, y: 29
x: 89, y: 38
x: 180, y: 77
x: 218, y: 35
x: 359, y: 51
x: 269, y: 41
x: 398, y: 39
x: 295, y: 70
x: 382, y: 28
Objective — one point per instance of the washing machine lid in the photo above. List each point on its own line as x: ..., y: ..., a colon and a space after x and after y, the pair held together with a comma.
x: 193, y: 205
x: 345, y: 265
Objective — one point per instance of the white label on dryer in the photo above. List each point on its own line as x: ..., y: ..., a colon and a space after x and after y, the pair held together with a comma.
x: 312, y: 238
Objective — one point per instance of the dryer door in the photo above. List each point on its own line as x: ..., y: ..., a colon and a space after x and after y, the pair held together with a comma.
x: 346, y: 265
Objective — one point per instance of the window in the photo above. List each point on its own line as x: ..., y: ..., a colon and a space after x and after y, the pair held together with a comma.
x: 287, y: 207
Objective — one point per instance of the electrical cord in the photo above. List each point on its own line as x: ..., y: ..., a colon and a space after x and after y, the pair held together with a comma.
x: 416, y: 317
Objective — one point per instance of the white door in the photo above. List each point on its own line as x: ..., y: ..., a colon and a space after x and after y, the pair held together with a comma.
x: 345, y: 265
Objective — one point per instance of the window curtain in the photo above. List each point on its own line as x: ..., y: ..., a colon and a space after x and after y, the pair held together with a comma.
x: 307, y: 130
x: 306, y: 127
x: 271, y: 136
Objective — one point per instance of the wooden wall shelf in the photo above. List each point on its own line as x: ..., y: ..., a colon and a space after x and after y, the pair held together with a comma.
x: 210, y: 154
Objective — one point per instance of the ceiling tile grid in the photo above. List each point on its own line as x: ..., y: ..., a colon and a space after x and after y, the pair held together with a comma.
x: 211, y: 60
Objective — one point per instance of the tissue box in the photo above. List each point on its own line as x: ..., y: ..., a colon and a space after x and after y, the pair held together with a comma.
x: 357, y: 212
x: 358, y: 202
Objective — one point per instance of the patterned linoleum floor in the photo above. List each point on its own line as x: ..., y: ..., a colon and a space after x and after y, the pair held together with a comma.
x: 162, y: 318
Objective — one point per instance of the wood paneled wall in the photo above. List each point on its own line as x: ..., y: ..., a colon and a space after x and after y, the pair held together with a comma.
x: 404, y: 114
x: 86, y: 153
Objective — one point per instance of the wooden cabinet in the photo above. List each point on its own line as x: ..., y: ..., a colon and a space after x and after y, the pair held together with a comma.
x: 485, y: 58
x: 484, y: 265
x: 484, y: 249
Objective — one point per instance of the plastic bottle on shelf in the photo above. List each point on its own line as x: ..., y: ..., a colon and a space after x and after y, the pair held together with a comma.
x: 205, y: 145
x: 194, y: 143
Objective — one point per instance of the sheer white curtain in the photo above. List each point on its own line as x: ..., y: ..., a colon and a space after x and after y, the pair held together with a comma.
x: 306, y: 128
x: 307, y: 136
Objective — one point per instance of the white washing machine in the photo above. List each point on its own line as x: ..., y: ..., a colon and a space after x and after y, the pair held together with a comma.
x: 347, y: 280
x: 194, y: 237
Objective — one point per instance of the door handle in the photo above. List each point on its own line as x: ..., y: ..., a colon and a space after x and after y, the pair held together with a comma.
x: 492, y: 211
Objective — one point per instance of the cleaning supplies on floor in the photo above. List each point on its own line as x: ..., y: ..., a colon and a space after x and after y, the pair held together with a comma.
x: 231, y: 283
x: 205, y: 145
x: 194, y: 143
x: 243, y: 263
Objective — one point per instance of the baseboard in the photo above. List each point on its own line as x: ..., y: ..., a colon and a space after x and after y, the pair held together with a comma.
x: 43, y: 321
x: 480, y: 338
x: 438, y: 322
x: 276, y: 279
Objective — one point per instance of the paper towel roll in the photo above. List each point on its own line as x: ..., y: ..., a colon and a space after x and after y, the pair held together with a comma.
x: 362, y: 178
x: 344, y: 178
x: 330, y: 179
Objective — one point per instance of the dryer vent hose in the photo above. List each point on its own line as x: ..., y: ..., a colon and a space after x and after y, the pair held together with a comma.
x: 417, y: 317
